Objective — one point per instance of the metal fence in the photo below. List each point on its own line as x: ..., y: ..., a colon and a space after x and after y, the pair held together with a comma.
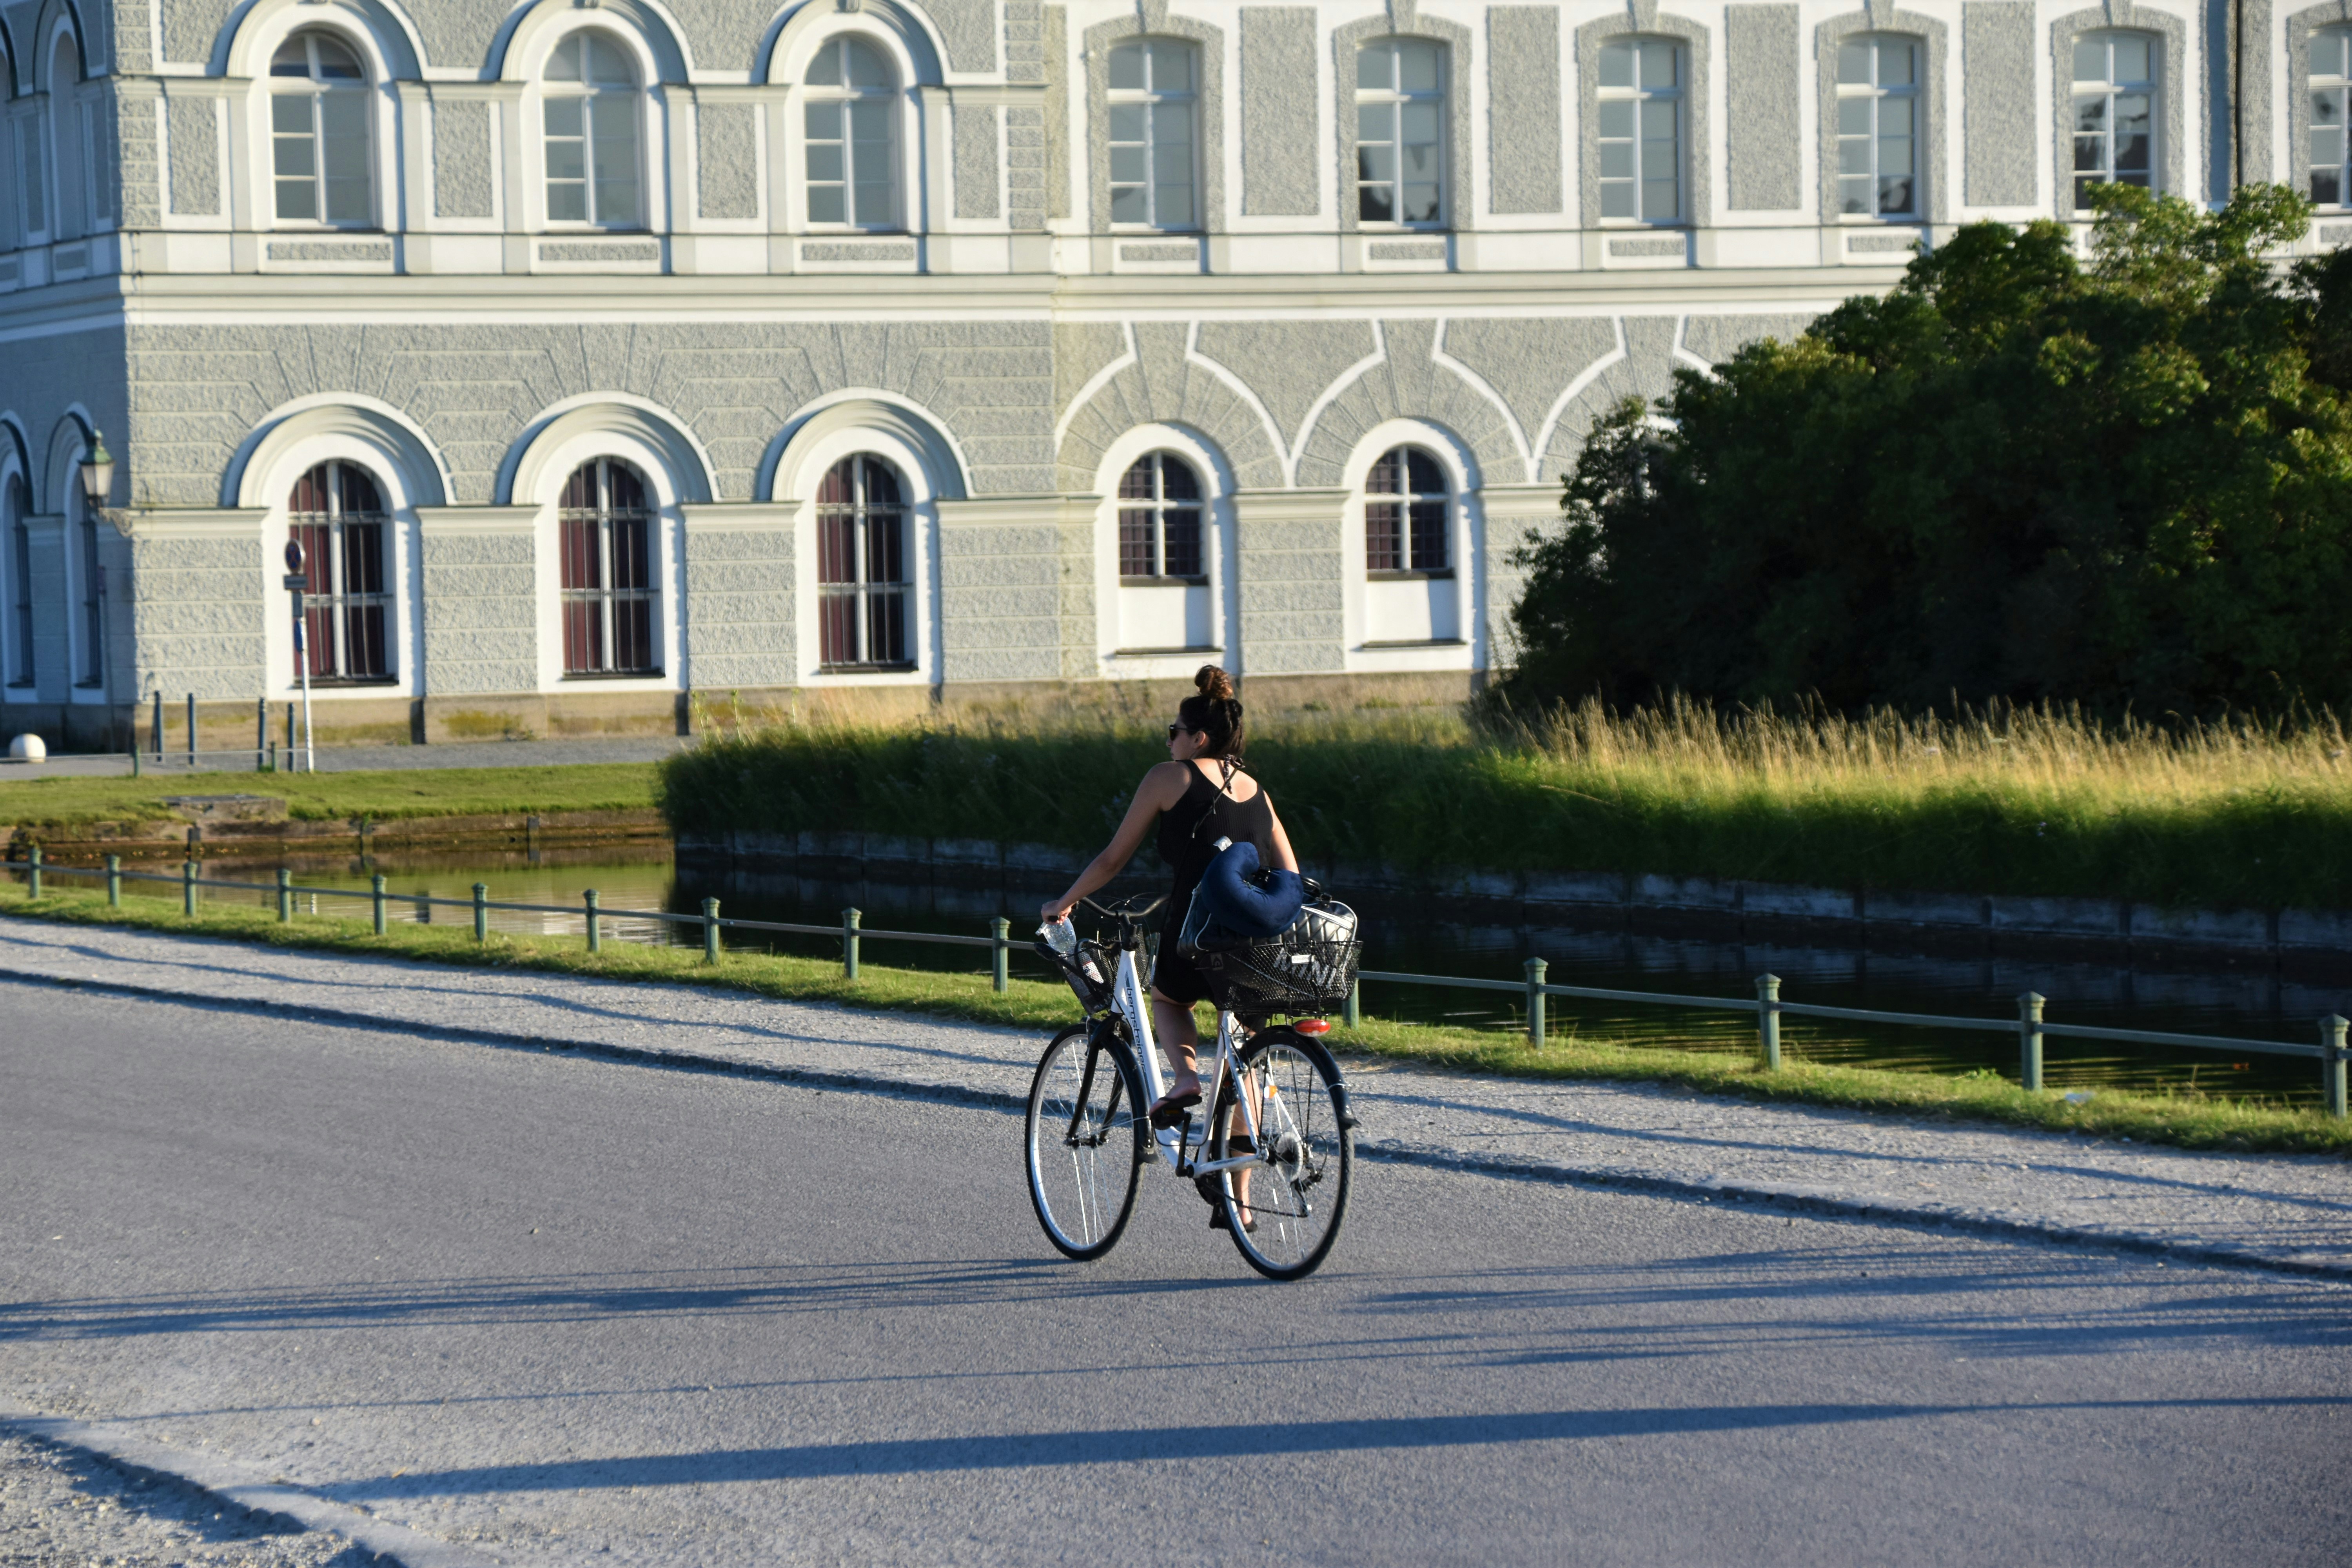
x: 2029, y: 1026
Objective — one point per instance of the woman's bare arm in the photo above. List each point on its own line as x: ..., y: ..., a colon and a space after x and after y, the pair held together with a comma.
x: 1162, y: 787
x: 1284, y: 860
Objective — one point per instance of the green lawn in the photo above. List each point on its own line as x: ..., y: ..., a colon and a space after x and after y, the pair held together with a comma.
x: 55, y: 804
x: 2190, y: 1121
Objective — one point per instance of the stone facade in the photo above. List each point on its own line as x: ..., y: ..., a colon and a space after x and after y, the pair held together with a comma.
x: 995, y: 329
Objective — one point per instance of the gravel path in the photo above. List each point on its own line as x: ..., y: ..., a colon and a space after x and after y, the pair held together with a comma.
x: 61, y: 1508
x: 2294, y: 1211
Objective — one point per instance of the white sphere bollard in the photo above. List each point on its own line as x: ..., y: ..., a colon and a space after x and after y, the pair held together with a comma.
x: 28, y: 749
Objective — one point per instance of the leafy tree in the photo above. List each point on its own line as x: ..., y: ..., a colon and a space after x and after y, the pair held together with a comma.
x: 2125, y: 482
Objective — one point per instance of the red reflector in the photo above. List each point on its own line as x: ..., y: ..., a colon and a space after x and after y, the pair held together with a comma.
x: 1313, y: 1025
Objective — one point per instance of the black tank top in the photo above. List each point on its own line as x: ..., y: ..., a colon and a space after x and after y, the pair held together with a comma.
x: 1188, y: 853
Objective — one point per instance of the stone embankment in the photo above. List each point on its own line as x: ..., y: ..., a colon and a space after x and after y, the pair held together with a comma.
x: 249, y: 826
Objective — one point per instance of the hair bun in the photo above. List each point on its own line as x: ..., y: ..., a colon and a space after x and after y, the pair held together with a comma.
x: 1214, y: 683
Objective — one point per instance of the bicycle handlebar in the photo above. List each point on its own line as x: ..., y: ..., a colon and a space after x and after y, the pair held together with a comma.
x: 1124, y: 909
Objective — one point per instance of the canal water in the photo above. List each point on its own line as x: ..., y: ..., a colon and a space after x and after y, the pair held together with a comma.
x: 1403, y: 934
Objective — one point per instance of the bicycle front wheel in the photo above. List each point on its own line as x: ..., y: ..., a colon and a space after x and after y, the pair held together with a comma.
x: 1285, y: 1207
x: 1087, y: 1141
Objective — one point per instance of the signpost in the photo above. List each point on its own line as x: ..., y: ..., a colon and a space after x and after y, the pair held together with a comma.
x: 296, y: 581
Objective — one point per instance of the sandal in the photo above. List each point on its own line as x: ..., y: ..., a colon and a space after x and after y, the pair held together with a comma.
x: 1169, y: 1110
x: 1217, y: 1222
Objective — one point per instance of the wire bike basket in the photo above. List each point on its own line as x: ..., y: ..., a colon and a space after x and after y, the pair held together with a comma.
x: 1308, y: 968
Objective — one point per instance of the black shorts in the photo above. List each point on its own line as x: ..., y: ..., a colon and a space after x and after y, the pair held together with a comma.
x: 1173, y: 975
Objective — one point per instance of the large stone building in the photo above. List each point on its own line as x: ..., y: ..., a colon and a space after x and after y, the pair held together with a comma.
x: 888, y: 352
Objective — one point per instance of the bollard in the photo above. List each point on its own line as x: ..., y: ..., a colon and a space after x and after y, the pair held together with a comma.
x: 188, y: 889
x: 33, y: 863
x: 595, y: 936
x: 1768, y: 1020
x: 710, y: 931
x: 2331, y: 1063
x: 1354, y: 1016
x: 850, y: 945
x: 375, y: 893
x: 114, y: 880
x: 1536, y: 967
x: 292, y: 766
x: 154, y: 728
x: 134, y: 758
x: 2029, y: 1040
x: 191, y: 729
x: 260, y: 732
x: 273, y: 756
x: 481, y: 913
x: 284, y: 896
x: 1001, y: 972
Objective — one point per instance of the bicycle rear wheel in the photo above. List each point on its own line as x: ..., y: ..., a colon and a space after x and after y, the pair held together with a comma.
x: 1086, y: 1142
x: 1297, y: 1189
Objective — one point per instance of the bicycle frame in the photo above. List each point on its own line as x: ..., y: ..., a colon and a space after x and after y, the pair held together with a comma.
x: 1131, y: 1003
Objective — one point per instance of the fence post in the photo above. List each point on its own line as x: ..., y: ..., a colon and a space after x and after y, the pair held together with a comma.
x: 595, y: 936
x: 260, y: 732
x: 1001, y: 969
x: 2331, y: 1062
x: 375, y: 895
x: 285, y: 895
x: 2029, y: 1040
x: 710, y: 931
x: 188, y: 889
x: 114, y: 882
x: 1354, y: 1014
x: 33, y: 870
x: 1768, y: 1020
x: 849, y: 919
x: 154, y: 729
x: 1536, y: 968
x: 481, y: 913
x: 192, y: 727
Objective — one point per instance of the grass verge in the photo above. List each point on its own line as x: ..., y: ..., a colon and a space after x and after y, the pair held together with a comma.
x: 386, y: 795
x: 2195, y: 1121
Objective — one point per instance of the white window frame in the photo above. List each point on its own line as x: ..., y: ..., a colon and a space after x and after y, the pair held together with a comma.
x: 65, y: 114
x: 1159, y: 504
x: 1158, y: 110
x: 891, y: 96
x: 1639, y: 165
x: 317, y: 89
x: 35, y: 212
x: 1462, y: 591
x: 2108, y: 89
x: 338, y: 601
x: 1399, y: 101
x: 1860, y: 154
x: 588, y: 93
x: 2334, y: 87
x: 860, y: 588
x: 607, y: 595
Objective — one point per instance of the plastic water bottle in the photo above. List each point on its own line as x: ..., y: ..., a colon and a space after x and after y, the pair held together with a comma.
x: 1062, y: 937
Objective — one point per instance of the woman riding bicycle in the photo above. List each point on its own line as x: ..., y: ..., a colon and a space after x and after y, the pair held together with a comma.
x: 1199, y: 795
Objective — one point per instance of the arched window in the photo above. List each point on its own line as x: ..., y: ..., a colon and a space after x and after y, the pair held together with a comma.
x: 92, y: 628
x: 1400, y: 115
x: 20, y: 587
x: 851, y: 121
x: 608, y: 572
x: 336, y: 515
x: 1878, y: 127
x: 1641, y: 129
x: 590, y: 116
x: 2331, y: 86
x: 862, y: 587
x: 65, y: 136
x: 1152, y: 166
x: 1160, y: 521
x: 319, y: 131
x: 27, y: 170
x: 1405, y: 503
x: 2114, y: 113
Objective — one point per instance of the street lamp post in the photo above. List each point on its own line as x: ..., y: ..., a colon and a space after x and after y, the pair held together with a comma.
x: 296, y: 581
x: 97, y: 485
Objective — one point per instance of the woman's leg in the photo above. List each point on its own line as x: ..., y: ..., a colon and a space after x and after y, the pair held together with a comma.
x: 1180, y: 1038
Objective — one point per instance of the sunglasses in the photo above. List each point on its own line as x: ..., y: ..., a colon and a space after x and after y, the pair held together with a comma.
x: 1176, y: 730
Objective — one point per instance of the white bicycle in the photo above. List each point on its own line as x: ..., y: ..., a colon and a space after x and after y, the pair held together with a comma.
x: 1275, y: 1150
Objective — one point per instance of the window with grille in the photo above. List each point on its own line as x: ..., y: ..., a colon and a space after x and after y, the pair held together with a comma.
x: 589, y: 112
x: 1405, y: 505
x: 1639, y: 131
x: 608, y: 550
x: 1152, y: 134
x: 1399, y: 132
x: 1160, y: 521
x: 2331, y: 99
x: 93, y: 603
x: 20, y: 589
x: 1878, y: 127
x: 850, y: 119
x: 2114, y: 113
x: 337, y: 516
x: 862, y: 583
x: 319, y: 131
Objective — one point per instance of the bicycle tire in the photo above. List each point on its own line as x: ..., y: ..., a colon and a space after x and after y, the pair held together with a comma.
x: 1299, y: 1197
x: 1085, y: 1081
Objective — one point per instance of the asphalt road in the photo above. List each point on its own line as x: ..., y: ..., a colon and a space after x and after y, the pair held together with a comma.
x: 577, y: 1311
